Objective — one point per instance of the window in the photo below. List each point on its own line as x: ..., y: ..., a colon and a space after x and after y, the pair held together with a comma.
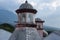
x: 22, y: 17
x: 29, y: 17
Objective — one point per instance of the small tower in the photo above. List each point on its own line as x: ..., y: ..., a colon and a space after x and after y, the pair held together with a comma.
x: 26, y: 27
x: 39, y: 23
x: 26, y: 15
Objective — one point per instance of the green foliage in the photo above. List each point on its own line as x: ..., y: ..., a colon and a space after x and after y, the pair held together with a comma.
x: 7, y: 27
x: 49, y: 32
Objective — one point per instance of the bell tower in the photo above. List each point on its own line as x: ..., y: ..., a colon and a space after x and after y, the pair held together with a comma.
x: 39, y: 23
x: 26, y: 15
x: 26, y: 26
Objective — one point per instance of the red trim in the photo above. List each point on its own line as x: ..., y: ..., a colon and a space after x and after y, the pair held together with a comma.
x: 27, y: 25
x: 26, y: 10
x: 39, y: 21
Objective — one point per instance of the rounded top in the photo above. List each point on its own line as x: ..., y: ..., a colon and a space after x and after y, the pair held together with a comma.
x: 26, y: 5
x: 39, y: 20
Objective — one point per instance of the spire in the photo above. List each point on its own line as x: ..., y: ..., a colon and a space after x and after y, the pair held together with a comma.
x: 26, y: 1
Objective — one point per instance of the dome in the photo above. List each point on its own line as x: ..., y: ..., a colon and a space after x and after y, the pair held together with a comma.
x: 7, y: 17
x: 26, y: 5
x: 39, y: 20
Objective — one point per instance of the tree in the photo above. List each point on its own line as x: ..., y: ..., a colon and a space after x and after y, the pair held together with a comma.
x: 7, y: 27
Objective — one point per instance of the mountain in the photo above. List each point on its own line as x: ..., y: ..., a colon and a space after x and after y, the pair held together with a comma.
x: 7, y: 17
x: 49, y: 28
x: 10, y: 18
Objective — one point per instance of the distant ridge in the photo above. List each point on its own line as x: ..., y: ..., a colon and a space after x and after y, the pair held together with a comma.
x: 7, y: 17
x: 49, y: 28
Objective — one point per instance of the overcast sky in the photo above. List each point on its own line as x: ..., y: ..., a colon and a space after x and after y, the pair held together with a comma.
x: 48, y: 10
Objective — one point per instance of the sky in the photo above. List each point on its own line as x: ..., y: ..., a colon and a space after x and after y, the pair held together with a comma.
x: 48, y: 10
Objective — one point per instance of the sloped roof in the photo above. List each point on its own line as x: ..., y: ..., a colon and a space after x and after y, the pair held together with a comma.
x: 53, y: 36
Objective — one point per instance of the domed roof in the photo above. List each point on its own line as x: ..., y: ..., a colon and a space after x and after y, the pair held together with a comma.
x: 39, y: 20
x: 26, y: 5
x: 7, y: 17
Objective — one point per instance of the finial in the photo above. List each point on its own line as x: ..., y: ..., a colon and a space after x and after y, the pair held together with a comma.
x: 26, y: 1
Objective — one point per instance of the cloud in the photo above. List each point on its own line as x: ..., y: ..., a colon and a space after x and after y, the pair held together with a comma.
x: 39, y: 4
x: 47, y: 8
x: 54, y: 4
x: 20, y: 1
x: 43, y: 6
x: 51, y: 5
x: 54, y: 19
x: 8, y: 4
x: 33, y: 3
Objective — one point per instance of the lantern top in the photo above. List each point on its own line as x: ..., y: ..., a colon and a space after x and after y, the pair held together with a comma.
x: 39, y: 20
x: 26, y: 5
